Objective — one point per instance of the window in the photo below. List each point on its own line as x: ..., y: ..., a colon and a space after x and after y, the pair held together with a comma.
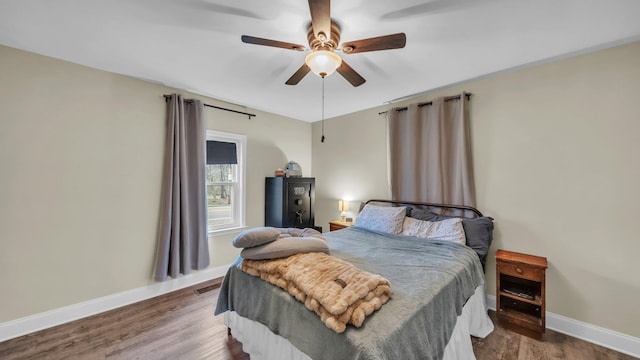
x: 225, y: 180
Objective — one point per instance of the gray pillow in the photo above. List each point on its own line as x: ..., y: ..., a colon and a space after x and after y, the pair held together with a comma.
x: 479, y: 233
x: 286, y: 246
x: 421, y: 214
x: 255, y: 237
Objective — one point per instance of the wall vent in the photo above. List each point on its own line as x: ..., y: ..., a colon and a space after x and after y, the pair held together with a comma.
x: 207, y: 289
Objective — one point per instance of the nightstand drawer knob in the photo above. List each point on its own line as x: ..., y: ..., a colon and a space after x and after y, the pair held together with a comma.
x: 518, y: 270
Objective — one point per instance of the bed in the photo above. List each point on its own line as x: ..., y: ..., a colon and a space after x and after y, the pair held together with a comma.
x: 438, y: 297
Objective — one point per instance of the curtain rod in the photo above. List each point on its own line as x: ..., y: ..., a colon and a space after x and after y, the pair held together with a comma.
x: 167, y: 97
x: 428, y: 103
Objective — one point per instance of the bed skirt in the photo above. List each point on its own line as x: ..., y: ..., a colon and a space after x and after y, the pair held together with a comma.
x: 259, y: 342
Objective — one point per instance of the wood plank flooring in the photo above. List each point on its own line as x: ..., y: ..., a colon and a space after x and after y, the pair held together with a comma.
x: 181, y: 325
x: 504, y: 344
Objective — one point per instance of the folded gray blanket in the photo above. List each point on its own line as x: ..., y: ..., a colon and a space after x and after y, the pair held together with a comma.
x: 273, y: 243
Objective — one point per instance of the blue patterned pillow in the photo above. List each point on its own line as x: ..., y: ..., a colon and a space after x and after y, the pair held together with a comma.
x: 445, y: 230
x: 478, y: 231
x: 381, y: 218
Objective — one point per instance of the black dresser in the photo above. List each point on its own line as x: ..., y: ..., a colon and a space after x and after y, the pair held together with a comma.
x: 289, y: 202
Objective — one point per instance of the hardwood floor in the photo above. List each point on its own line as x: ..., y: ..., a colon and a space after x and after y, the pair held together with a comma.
x: 178, y: 325
x: 181, y: 325
x: 504, y: 344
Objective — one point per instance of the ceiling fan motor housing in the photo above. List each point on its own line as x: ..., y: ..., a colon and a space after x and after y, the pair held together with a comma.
x: 327, y: 44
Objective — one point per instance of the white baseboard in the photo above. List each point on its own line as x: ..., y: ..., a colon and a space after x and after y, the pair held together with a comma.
x: 594, y: 334
x: 29, y: 324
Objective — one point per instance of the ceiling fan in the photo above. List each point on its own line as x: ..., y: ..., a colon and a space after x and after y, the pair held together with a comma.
x: 324, y: 37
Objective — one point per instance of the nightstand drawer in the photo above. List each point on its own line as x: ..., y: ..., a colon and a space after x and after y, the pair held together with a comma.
x: 521, y: 271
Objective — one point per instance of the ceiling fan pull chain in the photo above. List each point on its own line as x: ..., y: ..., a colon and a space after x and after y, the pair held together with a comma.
x: 322, y: 138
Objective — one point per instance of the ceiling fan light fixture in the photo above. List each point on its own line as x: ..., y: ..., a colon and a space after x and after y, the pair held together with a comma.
x: 323, y: 62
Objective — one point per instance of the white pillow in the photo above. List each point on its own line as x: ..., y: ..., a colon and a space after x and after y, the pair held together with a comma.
x: 381, y: 218
x: 446, y: 230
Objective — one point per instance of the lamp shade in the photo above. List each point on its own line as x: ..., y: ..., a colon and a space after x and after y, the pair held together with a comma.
x: 323, y: 62
x: 343, y: 205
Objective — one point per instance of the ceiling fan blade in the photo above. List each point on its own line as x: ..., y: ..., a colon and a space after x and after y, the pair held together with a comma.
x: 298, y: 75
x: 266, y: 42
x: 321, y: 18
x: 351, y: 75
x: 394, y: 41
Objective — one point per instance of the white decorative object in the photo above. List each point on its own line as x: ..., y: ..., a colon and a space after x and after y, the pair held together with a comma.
x: 293, y: 169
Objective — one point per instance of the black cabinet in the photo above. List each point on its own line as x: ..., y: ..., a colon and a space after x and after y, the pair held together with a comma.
x: 289, y: 202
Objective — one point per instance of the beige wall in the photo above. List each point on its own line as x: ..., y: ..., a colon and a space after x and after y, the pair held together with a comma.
x: 555, y: 150
x: 80, y: 164
x: 556, y: 164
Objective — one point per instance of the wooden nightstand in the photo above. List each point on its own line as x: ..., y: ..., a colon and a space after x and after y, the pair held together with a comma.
x: 520, y: 292
x: 337, y: 225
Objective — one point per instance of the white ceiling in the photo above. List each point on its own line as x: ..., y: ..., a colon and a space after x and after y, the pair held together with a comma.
x: 195, y: 44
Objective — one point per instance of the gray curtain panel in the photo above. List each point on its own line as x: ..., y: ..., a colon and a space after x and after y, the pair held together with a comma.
x: 430, y: 153
x: 182, y: 235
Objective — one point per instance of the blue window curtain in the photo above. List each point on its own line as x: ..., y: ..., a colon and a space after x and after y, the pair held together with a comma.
x: 182, y: 235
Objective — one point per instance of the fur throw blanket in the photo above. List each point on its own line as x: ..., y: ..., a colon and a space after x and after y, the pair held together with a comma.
x: 339, y: 292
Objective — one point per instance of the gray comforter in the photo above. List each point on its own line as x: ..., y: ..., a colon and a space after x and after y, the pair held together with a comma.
x: 430, y: 280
